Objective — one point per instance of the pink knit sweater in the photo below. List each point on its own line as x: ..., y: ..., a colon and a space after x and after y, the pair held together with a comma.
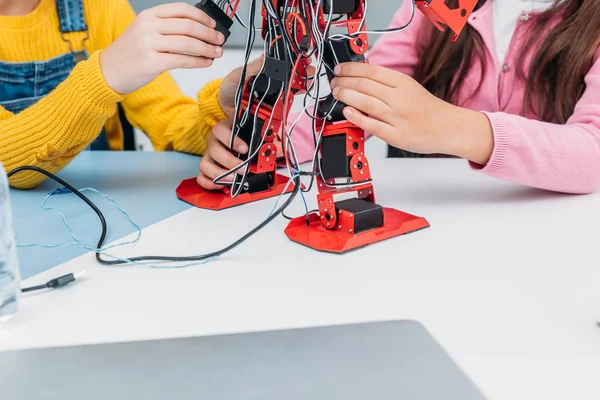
x: 563, y: 158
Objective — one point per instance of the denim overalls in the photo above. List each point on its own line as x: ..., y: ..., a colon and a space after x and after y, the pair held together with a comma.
x: 23, y: 84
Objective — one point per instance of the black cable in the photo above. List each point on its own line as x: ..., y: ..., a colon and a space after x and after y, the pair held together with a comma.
x: 153, y: 258
x: 283, y: 214
x: 34, y: 288
x: 71, y: 188
x: 384, y: 31
x: 213, y: 254
x: 55, y: 283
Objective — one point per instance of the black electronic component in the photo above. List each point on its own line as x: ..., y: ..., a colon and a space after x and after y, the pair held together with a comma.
x: 365, y: 214
x: 266, y: 90
x: 334, y: 161
x: 258, y: 182
x: 247, y: 130
x: 331, y: 109
x: 255, y: 183
x: 223, y: 21
x: 340, y: 6
x: 304, y: 44
x: 339, y: 52
x: 276, y: 69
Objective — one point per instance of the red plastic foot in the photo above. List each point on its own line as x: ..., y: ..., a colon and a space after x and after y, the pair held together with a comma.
x: 315, y: 236
x: 192, y: 193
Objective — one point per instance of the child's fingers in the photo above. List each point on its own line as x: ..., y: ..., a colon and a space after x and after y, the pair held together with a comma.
x: 367, y: 87
x: 212, y: 170
x: 364, y: 103
x: 254, y: 67
x: 207, y: 183
x: 182, y: 10
x: 222, y: 132
x: 188, y: 46
x: 193, y: 29
x: 223, y: 157
x: 173, y: 61
x: 368, y: 124
x: 377, y: 73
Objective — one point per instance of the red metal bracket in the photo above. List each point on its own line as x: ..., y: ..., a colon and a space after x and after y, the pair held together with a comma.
x: 360, y: 44
x: 440, y: 14
x: 359, y: 168
x: 266, y: 159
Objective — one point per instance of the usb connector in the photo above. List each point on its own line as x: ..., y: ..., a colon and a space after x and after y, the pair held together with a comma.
x: 56, y: 283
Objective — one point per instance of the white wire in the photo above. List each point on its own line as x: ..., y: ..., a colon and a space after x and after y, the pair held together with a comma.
x: 246, y: 163
x: 313, y: 94
x: 340, y: 36
x: 239, y: 187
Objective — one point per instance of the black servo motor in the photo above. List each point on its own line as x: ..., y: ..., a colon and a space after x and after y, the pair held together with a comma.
x: 223, y: 21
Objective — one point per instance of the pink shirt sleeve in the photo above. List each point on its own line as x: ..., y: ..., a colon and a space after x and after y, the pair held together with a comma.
x: 397, y: 51
x: 561, y: 158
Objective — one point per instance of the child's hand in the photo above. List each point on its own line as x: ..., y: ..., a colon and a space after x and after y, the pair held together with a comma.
x: 160, y: 39
x: 230, y: 83
x: 218, y: 159
x: 405, y: 115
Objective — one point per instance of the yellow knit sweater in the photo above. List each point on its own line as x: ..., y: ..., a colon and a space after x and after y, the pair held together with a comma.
x: 52, y: 132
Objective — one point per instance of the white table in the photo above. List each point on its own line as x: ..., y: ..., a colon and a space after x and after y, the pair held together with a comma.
x: 506, y: 279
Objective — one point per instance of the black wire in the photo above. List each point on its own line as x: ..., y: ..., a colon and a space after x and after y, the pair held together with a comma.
x: 71, y: 188
x: 388, y: 30
x: 291, y: 218
x: 34, y: 288
x: 213, y: 254
x: 154, y: 258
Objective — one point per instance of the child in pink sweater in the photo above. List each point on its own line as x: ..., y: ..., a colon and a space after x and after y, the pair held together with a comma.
x: 526, y: 110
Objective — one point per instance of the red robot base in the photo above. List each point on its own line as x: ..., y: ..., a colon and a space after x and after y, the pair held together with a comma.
x: 314, y: 235
x: 192, y: 193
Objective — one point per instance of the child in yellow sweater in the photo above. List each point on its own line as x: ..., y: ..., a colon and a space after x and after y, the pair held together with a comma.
x: 66, y: 64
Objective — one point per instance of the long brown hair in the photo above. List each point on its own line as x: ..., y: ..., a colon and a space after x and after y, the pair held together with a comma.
x: 555, y: 80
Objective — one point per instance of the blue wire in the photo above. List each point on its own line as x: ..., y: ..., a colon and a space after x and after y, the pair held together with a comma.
x: 76, y: 241
x: 102, y: 251
x: 305, y: 204
x: 283, y: 192
x: 297, y: 173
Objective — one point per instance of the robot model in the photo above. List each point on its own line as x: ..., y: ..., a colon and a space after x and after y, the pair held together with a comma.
x: 295, y: 33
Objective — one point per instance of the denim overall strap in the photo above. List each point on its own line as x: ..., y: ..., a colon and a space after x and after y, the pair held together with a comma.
x: 70, y: 15
x: 72, y: 19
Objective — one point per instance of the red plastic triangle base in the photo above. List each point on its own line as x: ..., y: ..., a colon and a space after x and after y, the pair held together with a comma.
x: 194, y: 194
x: 315, y: 236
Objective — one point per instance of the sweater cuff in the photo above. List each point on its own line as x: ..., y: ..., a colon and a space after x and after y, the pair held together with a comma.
x: 500, y: 152
x: 208, y: 101
x: 93, y: 85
